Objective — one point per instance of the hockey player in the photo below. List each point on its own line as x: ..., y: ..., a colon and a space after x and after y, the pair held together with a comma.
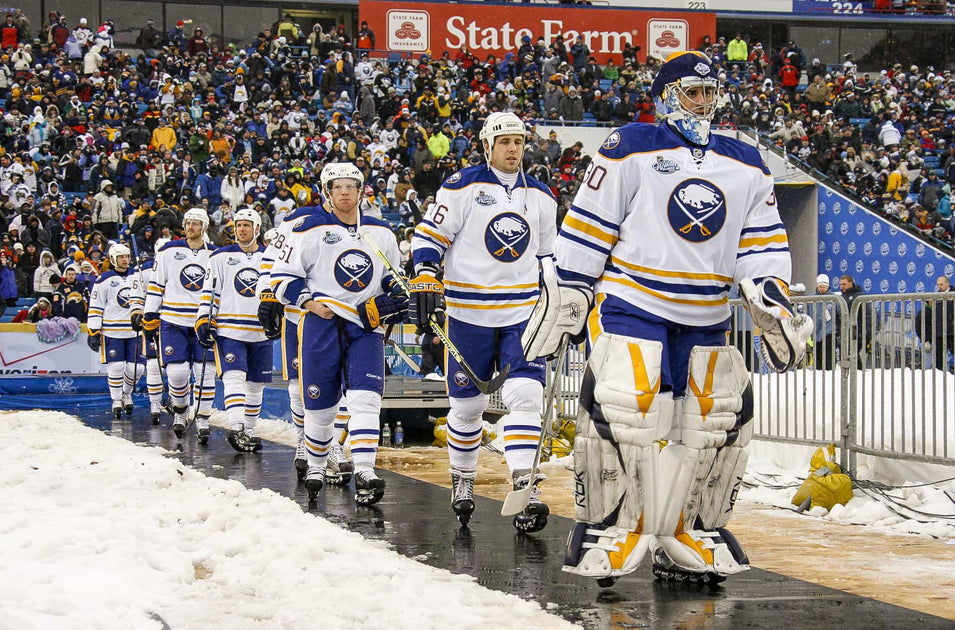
x: 110, y: 332
x: 282, y: 320
x: 228, y: 322
x: 668, y: 217
x: 171, y: 310
x: 154, y: 385
x: 491, y: 224
x: 329, y: 270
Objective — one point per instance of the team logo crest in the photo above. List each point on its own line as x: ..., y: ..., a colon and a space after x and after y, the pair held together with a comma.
x: 353, y: 270
x: 229, y: 358
x: 851, y: 248
x: 295, y: 363
x: 884, y: 286
x: 843, y: 228
x: 919, y: 250
x: 313, y: 391
x: 245, y: 282
x: 461, y: 379
x: 902, y: 286
x: 484, y: 199
x: 112, y: 353
x: 910, y: 268
x: 893, y: 267
x: 191, y: 277
x: 507, y: 237
x: 696, y: 210
x: 867, y: 249
x: 702, y: 69
x: 665, y: 166
x: 168, y: 350
x: 860, y: 266
x: 612, y: 141
x: 836, y: 247
x: 930, y: 270
x: 122, y: 298
x: 876, y: 228
x: 876, y: 266
x: 331, y: 238
x: 903, y: 249
x: 454, y: 178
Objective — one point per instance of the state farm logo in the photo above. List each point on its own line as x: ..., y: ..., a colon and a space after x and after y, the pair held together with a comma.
x: 665, y: 37
x: 408, y: 30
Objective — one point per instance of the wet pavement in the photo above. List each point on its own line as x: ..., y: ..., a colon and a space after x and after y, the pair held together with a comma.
x: 414, y: 518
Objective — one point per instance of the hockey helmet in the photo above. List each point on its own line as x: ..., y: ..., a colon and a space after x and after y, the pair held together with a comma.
x: 271, y: 235
x: 339, y: 170
x: 115, y: 251
x: 196, y: 214
x: 248, y: 214
x: 501, y: 124
x: 682, y: 71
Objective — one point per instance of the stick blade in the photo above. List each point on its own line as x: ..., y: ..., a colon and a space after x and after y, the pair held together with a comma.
x: 491, y: 386
x: 516, y: 501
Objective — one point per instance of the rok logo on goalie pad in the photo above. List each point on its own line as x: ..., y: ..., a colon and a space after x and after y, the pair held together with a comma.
x: 696, y: 210
x: 507, y: 237
x: 353, y: 270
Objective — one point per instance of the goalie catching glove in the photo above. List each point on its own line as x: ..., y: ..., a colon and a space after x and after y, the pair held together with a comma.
x: 560, y: 310
x: 427, y: 295
x: 784, y: 334
x: 270, y: 315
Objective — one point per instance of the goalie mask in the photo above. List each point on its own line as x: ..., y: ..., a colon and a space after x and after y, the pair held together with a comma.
x: 684, y: 92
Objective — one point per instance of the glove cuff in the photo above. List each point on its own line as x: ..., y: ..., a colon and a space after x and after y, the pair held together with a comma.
x: 427, y: 267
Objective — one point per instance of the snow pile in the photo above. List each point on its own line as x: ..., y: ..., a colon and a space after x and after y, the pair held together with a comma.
x: 97, y: 532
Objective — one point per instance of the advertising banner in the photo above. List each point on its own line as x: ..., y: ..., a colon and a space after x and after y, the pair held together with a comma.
x: 433, y: 28
x: 22, y: 354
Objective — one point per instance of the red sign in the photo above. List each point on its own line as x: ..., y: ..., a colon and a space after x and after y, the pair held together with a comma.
x: 435, y: 27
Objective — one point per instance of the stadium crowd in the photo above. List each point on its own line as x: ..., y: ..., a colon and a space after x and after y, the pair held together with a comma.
x: 101, y: 143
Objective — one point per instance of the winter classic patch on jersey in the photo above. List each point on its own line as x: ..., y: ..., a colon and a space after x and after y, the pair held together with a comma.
x: 122, y: 298
x: 507, y: 236
x: 665, y: 166
x: 696, y: 210
x: 245, y: 282
x: 484, y: 199
x: 353, y: 270
x: 191, y: 277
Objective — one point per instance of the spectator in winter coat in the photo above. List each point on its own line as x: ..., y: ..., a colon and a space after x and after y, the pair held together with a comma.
x: 8, y: 281
x: 571, y: 106
x: 45, y: 274
x: 937, y: 324
x: 108, y: 209
x: 43, y: 309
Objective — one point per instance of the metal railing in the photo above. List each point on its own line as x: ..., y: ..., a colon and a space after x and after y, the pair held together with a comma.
x: 877, y: 379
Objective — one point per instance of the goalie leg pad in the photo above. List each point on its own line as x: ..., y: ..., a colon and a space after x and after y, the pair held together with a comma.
x: 620, y: 414
x: 703, y: 472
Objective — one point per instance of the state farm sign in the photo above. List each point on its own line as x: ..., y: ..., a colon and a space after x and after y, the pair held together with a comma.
x: 484, y: 29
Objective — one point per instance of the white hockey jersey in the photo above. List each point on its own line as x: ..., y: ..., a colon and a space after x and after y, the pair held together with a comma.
x: 490, y: 242
x: 276, y: 248
x: 234, y: 275
x: 110, y: 304
x: 140, y: 284
x: 666, y: 227
x: 176, y: 284
x: 327, y: 261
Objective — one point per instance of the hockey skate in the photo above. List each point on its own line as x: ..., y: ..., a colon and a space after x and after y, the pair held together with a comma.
x: 242, y: 441
x: 368, y: 487
x: 117, y: 410
x: 338, y: 469
x: 462, y: 494
x: 533, y: 517
x: 301, y: 462
x: 179, y: 420
x: 699, y: 556
x: 155, y: 409
x: 314, y: 482
x: 203, y: 435
x: 605, y: 553
x: 128, y: 404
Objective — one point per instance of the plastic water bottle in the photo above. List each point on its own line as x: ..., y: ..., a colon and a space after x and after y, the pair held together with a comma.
x: 386, y: 435
x: 399, y: 435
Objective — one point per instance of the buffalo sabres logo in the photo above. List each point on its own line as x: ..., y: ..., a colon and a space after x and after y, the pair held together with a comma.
x: 876, y: 228
x: 876, y: 266
x: 313, y: 391
x: 903, y: 249
x: 893, y: 267
x: 461, y: 379
x: 910, y: 268
x: 902, y: 286
x: 191, y: 277
x: 168, y: 350
x: 331, y: 238
x: 484, y: 199
x: 112, y: 353
x: 612, y: 141
x: 245, y: 282
x: 843, y: 265
x: 353, y: 270
x: 295, y: 363
x: 696, y: 210
x: 229, y: 358
x: 122, y: 298
x: 507, y: 237
x: 836, y: 247
x: 702, y: 69
x: 859, y: 266
x: 453, y: 178
x: 664, y: 166
x: 930, y: 270
x: 884, y: 286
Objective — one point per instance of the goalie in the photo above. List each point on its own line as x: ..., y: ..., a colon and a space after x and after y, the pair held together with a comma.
x: 668, y: 217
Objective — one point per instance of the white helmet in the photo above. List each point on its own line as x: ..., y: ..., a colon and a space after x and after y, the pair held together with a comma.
x: 271, y: 235
x: 196, y: 214
x: 248, y: 214
x: 501, y: 124
x: 339, y: 170
x: 115, y: 251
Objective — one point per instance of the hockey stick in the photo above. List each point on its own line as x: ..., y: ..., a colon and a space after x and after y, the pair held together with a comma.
x: 516, y: 500
x: 485, y: 387
x: 205, y: 361
x: 404, y: 356
x: 140, y: 342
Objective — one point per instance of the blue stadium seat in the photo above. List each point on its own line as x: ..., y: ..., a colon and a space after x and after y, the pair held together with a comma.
x: 859, y: 122
x: 605, y: 84
x: 7, y: 319
x: 26, y: 302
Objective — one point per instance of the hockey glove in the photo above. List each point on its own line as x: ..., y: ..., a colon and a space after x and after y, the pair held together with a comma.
x: 427, y: 296
x: 560, y: 310
x: 784, y: 334
x: 136, y: 320
x: 206, y: 332
x: 382, y: 310
x: 270, y: 314
x: 94, y: 340
x: 151, y: 327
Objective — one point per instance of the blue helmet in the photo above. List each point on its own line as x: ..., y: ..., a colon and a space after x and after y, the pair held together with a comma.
x: 684, y: 70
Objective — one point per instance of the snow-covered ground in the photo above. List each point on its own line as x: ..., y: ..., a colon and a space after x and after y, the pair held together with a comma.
x: 98, y: 533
